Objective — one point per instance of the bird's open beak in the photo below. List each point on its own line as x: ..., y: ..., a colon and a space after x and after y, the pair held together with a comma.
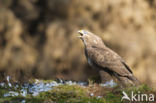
x: 81, y: 33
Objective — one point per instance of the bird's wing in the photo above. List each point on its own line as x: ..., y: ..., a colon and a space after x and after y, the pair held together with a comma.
x: 106, y: 58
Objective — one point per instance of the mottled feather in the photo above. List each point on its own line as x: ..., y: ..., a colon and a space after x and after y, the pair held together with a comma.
x: 101, y: 57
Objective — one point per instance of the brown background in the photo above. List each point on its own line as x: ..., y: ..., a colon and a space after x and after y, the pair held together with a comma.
x: 38, y: 37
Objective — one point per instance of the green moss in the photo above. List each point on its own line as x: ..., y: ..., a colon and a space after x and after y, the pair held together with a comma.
x: 116, y: 95
x: 2, y: 92
x: 68, y: 94
x: 141, y: 88
x: 64, y: 92
x: 75, y: 94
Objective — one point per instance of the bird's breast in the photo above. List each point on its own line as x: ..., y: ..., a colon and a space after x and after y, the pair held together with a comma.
x: 88, y: 58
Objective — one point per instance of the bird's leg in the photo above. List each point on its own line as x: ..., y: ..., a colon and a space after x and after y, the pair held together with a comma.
x: 105, y: 76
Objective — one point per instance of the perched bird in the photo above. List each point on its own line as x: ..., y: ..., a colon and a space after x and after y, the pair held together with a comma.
x: 102, y: 58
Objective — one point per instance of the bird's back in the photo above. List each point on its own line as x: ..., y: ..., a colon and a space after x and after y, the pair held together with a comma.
x: 109, y: 61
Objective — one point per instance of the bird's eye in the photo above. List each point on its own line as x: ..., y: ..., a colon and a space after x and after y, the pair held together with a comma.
x: 85, y: 32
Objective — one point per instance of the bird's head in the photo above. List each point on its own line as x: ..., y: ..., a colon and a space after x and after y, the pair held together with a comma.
x: 89, y: 38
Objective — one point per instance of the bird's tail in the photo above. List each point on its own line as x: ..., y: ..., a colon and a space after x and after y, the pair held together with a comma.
x: 134, y: 80
x: 128, y: 81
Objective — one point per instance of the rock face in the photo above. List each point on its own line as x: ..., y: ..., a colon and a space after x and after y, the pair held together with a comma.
x: 37, y: 37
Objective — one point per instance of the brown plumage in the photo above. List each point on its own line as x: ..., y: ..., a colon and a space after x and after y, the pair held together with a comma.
x: 101, y: 57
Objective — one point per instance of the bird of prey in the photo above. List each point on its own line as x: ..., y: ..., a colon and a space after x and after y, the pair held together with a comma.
x: 103, y: 58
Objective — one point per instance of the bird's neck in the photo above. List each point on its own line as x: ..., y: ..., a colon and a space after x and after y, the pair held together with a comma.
x: 88, y: 46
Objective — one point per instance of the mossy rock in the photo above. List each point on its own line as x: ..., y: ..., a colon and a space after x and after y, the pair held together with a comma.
x: 76, y: 94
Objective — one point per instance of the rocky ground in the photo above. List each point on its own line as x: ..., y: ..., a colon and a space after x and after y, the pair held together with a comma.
x: 60, y: 91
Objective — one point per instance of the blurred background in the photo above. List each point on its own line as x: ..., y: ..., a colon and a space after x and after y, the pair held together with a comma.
x: 38, y: 37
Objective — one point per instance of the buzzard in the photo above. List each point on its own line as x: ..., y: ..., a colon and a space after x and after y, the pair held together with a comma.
x: 104, y: 59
